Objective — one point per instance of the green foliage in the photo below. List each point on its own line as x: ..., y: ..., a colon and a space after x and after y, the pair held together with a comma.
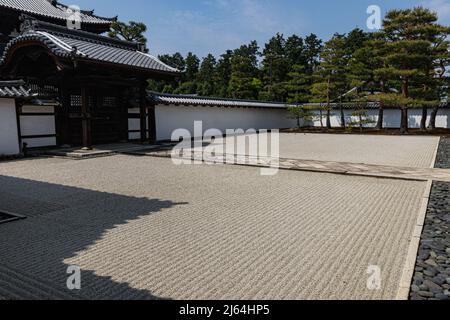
x: 298, y: 85
x: 244, y: 73
x: 300, y: 113
x: 281, y: 72
x: 403, y: 65
x: 192, y: 67
x: 186, y: 88
x: 330, y: 77
x: 132, y: 31
x: 363, y: 119
x: 175, y: 61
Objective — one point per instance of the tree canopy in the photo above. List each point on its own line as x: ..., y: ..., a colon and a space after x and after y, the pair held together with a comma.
x: 404, y: 64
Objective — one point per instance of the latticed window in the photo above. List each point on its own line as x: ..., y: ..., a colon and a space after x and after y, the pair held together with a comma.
x: 44, y: 90
x: 75, y: 101
x: 109, y: 102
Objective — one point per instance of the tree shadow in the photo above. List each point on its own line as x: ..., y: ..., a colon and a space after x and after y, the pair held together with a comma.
x: 63, y: 221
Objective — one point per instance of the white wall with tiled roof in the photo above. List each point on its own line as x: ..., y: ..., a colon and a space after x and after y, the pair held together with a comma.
x: 9, y: 140
x: 392, y: 118
x: 171, y: 117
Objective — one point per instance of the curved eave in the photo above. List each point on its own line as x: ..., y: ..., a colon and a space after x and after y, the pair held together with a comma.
x: 58, y: 48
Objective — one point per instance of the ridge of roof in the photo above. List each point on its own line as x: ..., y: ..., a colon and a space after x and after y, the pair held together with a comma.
x: 53, y: 9
x: 197, y: 97
x: 89, y: 12
x: 31, y: 24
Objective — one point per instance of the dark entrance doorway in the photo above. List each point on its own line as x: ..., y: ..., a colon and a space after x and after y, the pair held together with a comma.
x: 105, y: 113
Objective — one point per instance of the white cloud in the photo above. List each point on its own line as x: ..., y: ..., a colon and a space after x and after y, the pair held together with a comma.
x: 226, y: 24
x: 442, y: 7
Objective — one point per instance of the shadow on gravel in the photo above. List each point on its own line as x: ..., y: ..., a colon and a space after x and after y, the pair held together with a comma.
x: 63, y: 221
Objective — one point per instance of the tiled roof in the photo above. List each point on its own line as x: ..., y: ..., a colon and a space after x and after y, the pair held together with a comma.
x: 86, y: 46
x: 344, y: 105
x: 14, y: 89
x: 190, y: 100
x: 193, y: 100
x: 51, y: 9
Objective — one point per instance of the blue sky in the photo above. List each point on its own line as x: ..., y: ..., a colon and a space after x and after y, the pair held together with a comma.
x: 212, y: 26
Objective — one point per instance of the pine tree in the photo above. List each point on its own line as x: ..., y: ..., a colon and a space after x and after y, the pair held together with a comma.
x: 275, y: 67
x: 313, y: 48
x: 409, y: 35
x: 363, y: 67
x: 295, y: 51
x: 244, y: 82
x: 207, y: 76
x: 175, y: 60
x: 330, y: 76
x: 300, y: 113
x: 298, y: 85
x: 223, y: 74
x: 192, y: 67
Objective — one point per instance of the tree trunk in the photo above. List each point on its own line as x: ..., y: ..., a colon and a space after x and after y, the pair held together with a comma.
x: 380, y: 118
x: 404, y: 121
x: 423, y: 121
x: 298, y: 122
x: 361, y: 128
x: 432, y: 125
x: 342, y: 118
x: 321, y: 118
x: 328, y: 105
x: 328, y: 119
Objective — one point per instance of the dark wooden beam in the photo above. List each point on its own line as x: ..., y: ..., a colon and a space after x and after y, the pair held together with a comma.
x: 143, y: 112
x: 19, y: 130
x: 152, y: 123
x: 86, y: 120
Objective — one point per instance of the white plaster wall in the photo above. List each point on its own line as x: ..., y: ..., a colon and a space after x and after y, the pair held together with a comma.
x: 392, y: 118
x: 9, y: 140
x: 37, y: 125
x: 336, y: 118
x: 443, y: 118
x: 134, y: 124
x: 40, y: 142
x: 34, y: 125
x: 170, y: 118
x: 37, y: 109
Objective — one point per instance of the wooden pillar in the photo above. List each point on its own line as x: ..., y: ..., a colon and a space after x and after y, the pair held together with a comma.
x: 143, y: 112
x: 19, y: 130
x: 86, y: 120
x: 62, y: 116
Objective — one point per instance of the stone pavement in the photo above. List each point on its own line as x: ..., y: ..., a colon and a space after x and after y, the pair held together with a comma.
x: 431, y: 280
x: 369, y: 170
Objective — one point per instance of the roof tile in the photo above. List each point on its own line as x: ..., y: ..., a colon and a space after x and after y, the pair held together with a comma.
x: 45, y: 8
x: 14, y: 89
